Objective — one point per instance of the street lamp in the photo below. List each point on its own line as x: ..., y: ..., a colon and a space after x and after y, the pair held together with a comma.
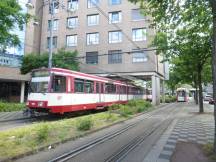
x: 29, y: 5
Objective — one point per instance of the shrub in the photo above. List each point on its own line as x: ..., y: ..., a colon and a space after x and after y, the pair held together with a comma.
x: 84, y: 124
x: 8, y: 107
x: 169, y: 99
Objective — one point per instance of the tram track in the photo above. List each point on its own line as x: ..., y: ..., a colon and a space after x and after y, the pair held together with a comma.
x: 129, y: 146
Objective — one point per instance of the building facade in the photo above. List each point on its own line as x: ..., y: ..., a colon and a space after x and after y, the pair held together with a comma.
x: 12, y: 82
x: 108, y: 35
x: 10, y: 60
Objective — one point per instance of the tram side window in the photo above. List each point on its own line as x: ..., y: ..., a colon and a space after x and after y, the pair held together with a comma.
x: 124, y: 90
x: 89, y: 86
x: 110, y: 88
x: 79, y: 85
x: 97, y: 88
x: 59, y: 83
x: 102, y: 88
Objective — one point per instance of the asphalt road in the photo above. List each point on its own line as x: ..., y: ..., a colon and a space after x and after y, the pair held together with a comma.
x: 131, y: 145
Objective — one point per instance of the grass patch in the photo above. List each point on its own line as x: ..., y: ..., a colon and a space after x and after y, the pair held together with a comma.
x: 30, y: 138
x: 8, y: 107
x: 208, y: 150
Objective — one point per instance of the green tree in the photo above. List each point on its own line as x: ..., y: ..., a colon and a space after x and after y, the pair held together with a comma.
x: 200, y: 17
x: 11, y: 16
x: 61, y: 59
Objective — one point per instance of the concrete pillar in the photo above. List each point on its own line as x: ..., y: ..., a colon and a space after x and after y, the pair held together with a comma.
x: 22, y: 94
x: 155, y: 90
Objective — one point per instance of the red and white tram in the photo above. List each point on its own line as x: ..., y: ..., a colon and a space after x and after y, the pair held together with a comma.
x: 59, y: 90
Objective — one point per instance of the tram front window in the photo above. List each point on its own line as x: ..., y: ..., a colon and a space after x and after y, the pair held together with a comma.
x: 181, y: 93
x: 39, y: 87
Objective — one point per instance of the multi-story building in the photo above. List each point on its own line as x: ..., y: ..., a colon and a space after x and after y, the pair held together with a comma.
x: 107, y: 33
x: 10, y: 60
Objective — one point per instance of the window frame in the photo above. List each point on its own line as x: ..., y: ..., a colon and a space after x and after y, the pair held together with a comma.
x: 110, y: 36
x: 76, y: 22
x: 78, y: 80
x: 75, y: 40
x: 92, y: 5
x: 111, y: 2
x: 97, y: 19
x: 144, y: 58
x: 53, y: 83
x: 88, y: 38
x: 112, y: 54
x: 111, y: 16
x: 141, y: 17
x: 135, y: 38
x: 96, y: 55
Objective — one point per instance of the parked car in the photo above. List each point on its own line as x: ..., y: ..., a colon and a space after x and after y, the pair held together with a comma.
x: 207, y: 97
x: 211, y: 101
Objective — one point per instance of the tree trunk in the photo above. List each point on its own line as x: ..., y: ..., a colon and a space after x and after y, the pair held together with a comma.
x: 196, y: 96
x: 196, y: 92
x: 213, y: 5
x: 200, y: 90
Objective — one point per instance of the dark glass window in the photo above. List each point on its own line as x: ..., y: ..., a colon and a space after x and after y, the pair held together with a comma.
x: 102, y: 88
x: 114, y: 57
x: 110, y: 88
x: 89, y: 86
x: 92, y: 57
x: 123, y: 90
x: 59, y: 83
x: 97, y: 88
x: 79, y: 85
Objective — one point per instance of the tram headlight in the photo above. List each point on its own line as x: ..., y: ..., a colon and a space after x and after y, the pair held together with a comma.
x: 40, y: 104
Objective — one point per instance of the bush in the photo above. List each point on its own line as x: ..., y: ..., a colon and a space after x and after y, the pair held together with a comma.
x: 169, y: 99
x: 84, y: 124
x: 134, y: 106
x: 8, y: 107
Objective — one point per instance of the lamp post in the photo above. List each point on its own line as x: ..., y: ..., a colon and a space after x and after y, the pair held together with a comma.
x: 51, y: 3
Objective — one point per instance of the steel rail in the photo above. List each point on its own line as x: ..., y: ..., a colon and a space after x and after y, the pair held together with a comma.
x: 69, y: 155
x: 123, y: 152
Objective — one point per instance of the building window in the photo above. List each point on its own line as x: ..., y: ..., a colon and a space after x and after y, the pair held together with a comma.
x: 139, y: 34
x: 139, y: 56
x: 72, y: 22
x: 79, y: 85
x: 71, y: 40
x: 115, y: 36
x: 93, y: 19
x: 136, y: 15
x: 73, y: 5
x: 92, y: 57
x: 114, y: 57
x: 115, y: 17
x: 93, y: 3
x: 56, y: 8
x: 54, y: 42
x: 114, y: 2
x: 55, y: 24
x: 92, y: 38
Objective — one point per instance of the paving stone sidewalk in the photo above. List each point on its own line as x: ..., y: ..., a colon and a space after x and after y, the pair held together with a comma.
x: 188, y: 127
x: 7, y: 116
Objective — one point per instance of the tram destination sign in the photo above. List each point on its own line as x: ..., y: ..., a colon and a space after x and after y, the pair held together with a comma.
x: 40, y: 73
